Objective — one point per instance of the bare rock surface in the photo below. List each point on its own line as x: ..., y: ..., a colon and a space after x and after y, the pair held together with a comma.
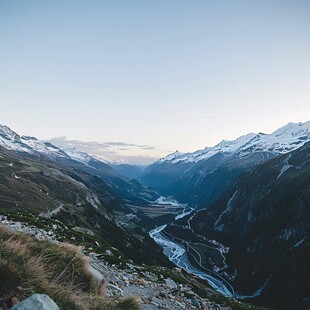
x: 36, y: 302
x: 151, y: 291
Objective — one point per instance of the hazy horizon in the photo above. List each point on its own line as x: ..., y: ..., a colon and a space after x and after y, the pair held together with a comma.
x: 143, y: 79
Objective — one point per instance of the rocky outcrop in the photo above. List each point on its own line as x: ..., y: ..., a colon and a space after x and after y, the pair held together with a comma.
x: 152, y: 290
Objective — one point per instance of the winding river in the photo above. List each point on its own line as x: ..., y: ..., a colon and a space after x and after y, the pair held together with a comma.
x: 178, y: 255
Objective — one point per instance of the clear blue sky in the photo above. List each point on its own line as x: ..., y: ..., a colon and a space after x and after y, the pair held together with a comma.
x: 171, y: 74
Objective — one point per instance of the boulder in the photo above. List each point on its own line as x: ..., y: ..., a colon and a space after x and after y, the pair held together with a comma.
x: 109, y: 253
x: 36, y: 302
x: 171, y: 284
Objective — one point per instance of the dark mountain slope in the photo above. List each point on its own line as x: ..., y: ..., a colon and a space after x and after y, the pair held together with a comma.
x: 128, y: 171
x: 128, y: 189
x: 202, y: 177
x: 265, y: 219
x: 204, y: 182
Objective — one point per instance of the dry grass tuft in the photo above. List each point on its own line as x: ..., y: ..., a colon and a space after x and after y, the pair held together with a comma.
x: 15, y: 245
x: 28, y: 266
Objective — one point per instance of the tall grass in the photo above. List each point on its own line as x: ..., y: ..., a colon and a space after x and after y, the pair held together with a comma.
x: 29, y: 266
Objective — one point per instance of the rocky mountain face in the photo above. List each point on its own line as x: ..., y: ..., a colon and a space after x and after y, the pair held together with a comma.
x: 202, y: 177
x: 265, y: 220
x: 127, y: 188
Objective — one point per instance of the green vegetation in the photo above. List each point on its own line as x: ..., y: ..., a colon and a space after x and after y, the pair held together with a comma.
x: 29, y: 266
x: 63, y: 232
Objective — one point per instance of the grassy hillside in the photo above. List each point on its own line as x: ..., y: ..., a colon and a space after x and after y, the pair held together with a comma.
x: 28, y: 266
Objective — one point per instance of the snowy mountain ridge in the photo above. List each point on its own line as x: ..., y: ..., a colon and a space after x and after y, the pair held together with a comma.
x: 10, y: 140
x: 282, y: 140
x: 77, y: 155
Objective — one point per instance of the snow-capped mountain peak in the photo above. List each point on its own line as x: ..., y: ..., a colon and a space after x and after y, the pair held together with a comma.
x: 12, y: 141
x: 231, y: 146
x: 31, y: 145
x: 293, y: 129
x: 282, y: 140
x: 7, y: 133
x: 75, y: 154
x: 81, y: 156
x: 29, y: 138
x: 171, y: 156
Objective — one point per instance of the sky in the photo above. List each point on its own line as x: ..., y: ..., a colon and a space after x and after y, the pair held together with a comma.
x: 146, y: 78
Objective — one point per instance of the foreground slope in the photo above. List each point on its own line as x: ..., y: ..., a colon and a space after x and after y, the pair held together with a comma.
x: 61, y: 271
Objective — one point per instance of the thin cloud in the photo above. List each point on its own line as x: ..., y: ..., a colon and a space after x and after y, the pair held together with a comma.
x: 142, y: 154
x: 124, y: 144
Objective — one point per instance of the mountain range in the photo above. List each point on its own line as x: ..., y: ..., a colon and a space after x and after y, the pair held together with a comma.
x: 200, y: 178
x: 265, y: 220
x: 38, y: 177
x: 252, y: 195
x: 129, y: 189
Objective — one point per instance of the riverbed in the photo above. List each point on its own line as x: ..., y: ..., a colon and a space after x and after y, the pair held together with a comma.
x: 178, y: 255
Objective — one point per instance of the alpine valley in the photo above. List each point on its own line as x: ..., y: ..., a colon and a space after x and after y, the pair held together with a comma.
x: 226, y: 227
